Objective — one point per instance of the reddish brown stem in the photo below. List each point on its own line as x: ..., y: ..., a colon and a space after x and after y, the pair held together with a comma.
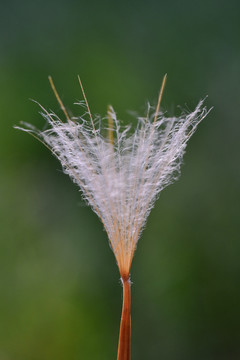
x: 124, y: 344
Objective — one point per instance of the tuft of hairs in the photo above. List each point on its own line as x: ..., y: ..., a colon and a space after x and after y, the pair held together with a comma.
x: 120, y: 175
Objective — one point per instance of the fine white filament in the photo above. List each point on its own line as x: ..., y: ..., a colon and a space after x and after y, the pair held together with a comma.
x: 122, y: 174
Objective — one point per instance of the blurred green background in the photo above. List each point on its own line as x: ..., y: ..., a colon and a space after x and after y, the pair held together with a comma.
x: 60, y: 294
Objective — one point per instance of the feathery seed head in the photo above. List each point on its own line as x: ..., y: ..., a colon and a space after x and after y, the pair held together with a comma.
x: 120, y: 176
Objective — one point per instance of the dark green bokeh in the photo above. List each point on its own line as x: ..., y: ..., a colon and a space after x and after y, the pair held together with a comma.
x: 60, y: 293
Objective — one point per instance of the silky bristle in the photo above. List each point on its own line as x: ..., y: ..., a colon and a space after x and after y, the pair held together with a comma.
x: 122, y: 175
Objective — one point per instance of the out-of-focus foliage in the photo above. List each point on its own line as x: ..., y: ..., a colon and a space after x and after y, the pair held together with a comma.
x: 59, y: 285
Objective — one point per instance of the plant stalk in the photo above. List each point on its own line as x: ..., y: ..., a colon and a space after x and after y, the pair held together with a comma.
x: 124, y: 344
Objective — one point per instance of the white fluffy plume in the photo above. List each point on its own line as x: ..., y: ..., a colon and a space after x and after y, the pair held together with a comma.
x: 120, y: 175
